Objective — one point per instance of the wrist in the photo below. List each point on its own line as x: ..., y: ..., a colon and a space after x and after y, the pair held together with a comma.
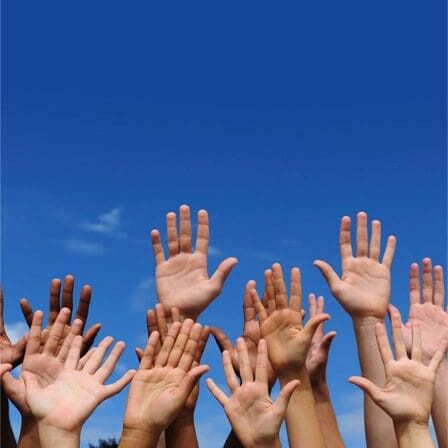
x: 141, y: 438
x: 367, y: 321
x: 411, y: 432
x: 51, y: 436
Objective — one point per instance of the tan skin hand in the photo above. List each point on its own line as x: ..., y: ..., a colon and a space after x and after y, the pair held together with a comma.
x: 255, y: 418
x: 408, y: 392
x: 426, y: 308
x: 182, y: 280
x: 364, y: 287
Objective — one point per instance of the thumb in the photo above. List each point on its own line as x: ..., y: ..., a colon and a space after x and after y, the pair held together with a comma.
x: 221, y: 339
x: 223, y: 271
x: 311, y: 326
x: 285, y: 395
x: 191, y: 379
x: 328, y: 339
x: 367, y: 386
x: 4, y: 368
x: 328, y: 272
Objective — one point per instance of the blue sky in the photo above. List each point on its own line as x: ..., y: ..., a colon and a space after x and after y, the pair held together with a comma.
x: 278, y: 119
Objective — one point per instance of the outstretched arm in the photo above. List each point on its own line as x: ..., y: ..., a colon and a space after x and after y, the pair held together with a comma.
x: 316, y: 366
x: 364, y: 293
x: 182, y: 280
x: 408, y: 391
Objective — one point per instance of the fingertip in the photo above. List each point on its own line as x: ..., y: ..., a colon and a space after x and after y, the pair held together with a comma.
x: 202, y: 213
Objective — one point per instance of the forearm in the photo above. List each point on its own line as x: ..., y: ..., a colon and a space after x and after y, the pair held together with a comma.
x: 29, y: 435
x: 51, y: 437
x: 7, y: 436
x: 182, y: 433
x: 326, y: 415
x: 302, y: 423
x: 378, y: 425
x: 135, y: 438
x: 439, y: 410
x: 413, y: 435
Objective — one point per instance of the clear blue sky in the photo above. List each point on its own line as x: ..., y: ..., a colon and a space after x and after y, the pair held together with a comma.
x: 276, y: 118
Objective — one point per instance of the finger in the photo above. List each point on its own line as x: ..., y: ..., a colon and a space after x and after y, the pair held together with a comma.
x: 67, y: 293
x: 27, y: 312
x: 327, y: 271
x: 119, y: 385
x: 285, y: 395
x: 269, y: 288
x: 396, y: 323
x: 248, y: 306
x: 328, y: 339
x: 312, y: 304
x: 147, y: 358
x: 106, y: 370
x: 10, y: 384
x: 203, y: 235
x: 229, y: 371
x: 311, y: 326
x: 185, y: 229
x: 173, y: 239
x: 345, y: 245
x: 54, y: 305
x: 139, y: 353
x: 383, y: 344
x: 416, y: 352
x: 85, y: 296
x: 93, y: 364
x: 151, y: 321
x: 427, y: 281
x: 56, y: 332
x: 203, y: 338
x: 83, y: 361
x: 281, y: 295
x: 361, y: 235
x: 439, y: 286
x: 2, y: 322
x: 438, y: 357
x: 162, y: 325
x: 89, y: 337
x: 246, y: 372
x: 4, y: 367
x: 296, y: 290
x: 261, y: 368
x: 175, y: 315
x: 375, y: 241
x: 259, y: 308
x: 414, y: 284
x: 191, y: 379
x: 75, y: 330
x: 367, y: 386
x: 180, y: 344
x: 19, y: 349
x: 189, y: 351
x: 220, y: 396
x: 223, y: 271
x: 167, y: 346
x: 221, y: 339
x: 74, y: 354
x: 388, y: 256
x: 157, y: 247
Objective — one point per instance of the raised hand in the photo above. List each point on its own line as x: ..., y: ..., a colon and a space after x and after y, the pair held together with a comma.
x: 251, y: 332
x: 316, y: 361
x: 64, y: 298
x: 408, y: 392
x: 182, y: 280
x: 254, y: 417
x: 426, y: 308
x: 9, y: 353
x: 364, y: 288
x: 287, y: 339
x: 59, y: 394
x: 162, y: 384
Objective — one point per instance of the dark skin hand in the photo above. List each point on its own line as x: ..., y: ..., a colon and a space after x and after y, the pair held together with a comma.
x: 60, y: 299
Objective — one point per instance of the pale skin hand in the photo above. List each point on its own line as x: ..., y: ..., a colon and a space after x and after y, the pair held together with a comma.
x: 182, y: 280
x: 426, y: 308
x: 408, y: 391
x: 363, y: 290
x: 162, y: 384
x: 254, y: 417
x: 251, y: 331
x: 59, y: 394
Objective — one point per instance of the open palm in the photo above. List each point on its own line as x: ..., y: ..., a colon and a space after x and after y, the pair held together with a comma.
x: 182, y: 280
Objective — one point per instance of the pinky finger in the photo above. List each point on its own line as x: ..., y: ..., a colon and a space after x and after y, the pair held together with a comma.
x: 220, y: 396
x: 118, y: 386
